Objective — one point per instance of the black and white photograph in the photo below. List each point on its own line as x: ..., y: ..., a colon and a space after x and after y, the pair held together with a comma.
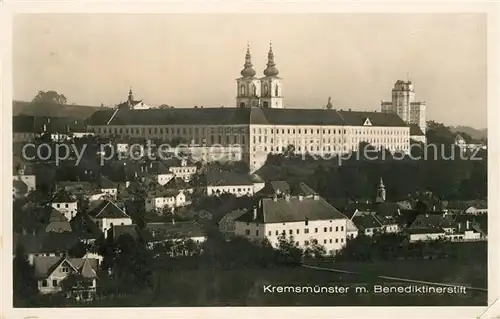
x: 335, y: 159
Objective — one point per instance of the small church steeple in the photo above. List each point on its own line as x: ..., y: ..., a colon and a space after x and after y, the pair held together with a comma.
x: 381, y: 191
x: 130, y: 97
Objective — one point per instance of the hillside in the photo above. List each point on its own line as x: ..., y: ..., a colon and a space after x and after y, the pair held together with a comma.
x: 53, y: 110
x: 474, y: 133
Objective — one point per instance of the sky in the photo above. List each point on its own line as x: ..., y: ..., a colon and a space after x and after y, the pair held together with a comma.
x: 194, y: 59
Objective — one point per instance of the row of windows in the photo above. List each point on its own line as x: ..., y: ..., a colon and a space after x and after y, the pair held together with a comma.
x: 361, y: 131
x: 306, y: 231
x: 171, y: 130
x: 59, y: 205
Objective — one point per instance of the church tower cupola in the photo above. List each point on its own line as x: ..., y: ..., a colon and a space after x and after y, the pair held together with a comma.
x: 248, y: 70
x: 271, y: 70
x: 130, y: 97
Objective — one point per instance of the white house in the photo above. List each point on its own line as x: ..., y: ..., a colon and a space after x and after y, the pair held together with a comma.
x: 308, y: 220
x: 50, y: 273
x: 225, y: 182
x: 108, y: 187
x: 106, y: 213
x: 159, y: 199
x: 181, y: 169
x: 425, y: 234
x: 65, y: 204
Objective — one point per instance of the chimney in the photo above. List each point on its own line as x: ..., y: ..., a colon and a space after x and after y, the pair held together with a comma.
x: 316, y: 197
x: 255, y: 213
x: 300, y: 197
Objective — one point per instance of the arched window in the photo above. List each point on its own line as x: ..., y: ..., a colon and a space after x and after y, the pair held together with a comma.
x: 276, y: 90
x: 266, y: 89
x: 242, y: 90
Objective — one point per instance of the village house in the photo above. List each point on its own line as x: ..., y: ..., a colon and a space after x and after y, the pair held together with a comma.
x: 308, y: 220
x: 51, y: 273
x: 224, y: 182
x: 108, y: 187
x: 66, y: 204
x: 45, y: 244
x: 106, y: 213
x: 181, y: 168
x: 164, y: 198
x: 85, y: 228
x: 227, y: 223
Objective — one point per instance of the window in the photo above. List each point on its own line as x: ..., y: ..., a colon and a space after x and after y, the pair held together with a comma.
x: 315, y: 230
x: 44, y: 283
x: 324, y: 241
x: 331, y: 229
x: 325, y: 229
x: 257, y: 232
x: 306, y: 242
x: 54, y: 283
x: 341, y: 240
x: 277, y: 232
x: 247, y: 232
x: 330, y: 240
x: 291, y: 232
x: 336, y: 240
x: 298, y: 231
x: 306, y: 231
x: 337, y: 228
x: 341, y: 228
x: 269, y: 233
x: 307, y: 221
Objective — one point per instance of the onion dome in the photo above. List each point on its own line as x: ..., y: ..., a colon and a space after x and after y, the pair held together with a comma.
x: 248, y: 70
x: 271, y: 69
x: 329, y: 106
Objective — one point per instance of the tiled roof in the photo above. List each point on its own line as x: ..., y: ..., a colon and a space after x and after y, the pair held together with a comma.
x: 162, y: 192
x: 71, y: 186
x: 304, y: 190
x: 107, y: 184
x: 293, y: 209
x: 44, y: 266
x: 366, y: 221
x: 37, y: 124
x: 275, y: 187
x: 225, y: 178
x: 415, y: 130
x: 177, y: 230
x: 45, y: 243
x: 376, y: 118
x: 177, y: 184
x: 433, y: 220
x: 84, y: 227
x: 107, y: 209
x: 63, y: 197
x: 243, y: 116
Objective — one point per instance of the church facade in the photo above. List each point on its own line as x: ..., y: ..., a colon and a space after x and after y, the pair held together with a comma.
x: 260, y: 124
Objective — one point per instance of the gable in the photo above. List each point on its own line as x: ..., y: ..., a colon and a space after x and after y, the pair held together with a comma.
x: 367, y: 122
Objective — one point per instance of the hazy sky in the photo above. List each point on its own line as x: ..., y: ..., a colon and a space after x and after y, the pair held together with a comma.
x: 187, y: 60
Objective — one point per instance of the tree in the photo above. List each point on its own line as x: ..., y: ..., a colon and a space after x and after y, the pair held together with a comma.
x: 289, y: 251
x: 23, y: 277
x: 51, y: 97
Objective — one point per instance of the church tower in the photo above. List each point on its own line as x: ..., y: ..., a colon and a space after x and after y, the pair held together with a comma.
x: 380, y: 192
x: 271, y: 84
x: 248, y: 86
